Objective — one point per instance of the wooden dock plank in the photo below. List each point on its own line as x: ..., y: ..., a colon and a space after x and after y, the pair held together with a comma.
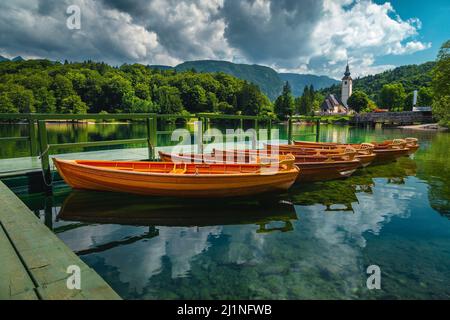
x: 44, y: 256
x: 15, y: 282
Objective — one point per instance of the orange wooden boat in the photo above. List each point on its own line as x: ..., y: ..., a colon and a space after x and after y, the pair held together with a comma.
x: 411, y: 143
x: 218, y: 156
x: 178, y: 180
x: 315, y: 167
x: 363, y: 153
x: 385, y: 151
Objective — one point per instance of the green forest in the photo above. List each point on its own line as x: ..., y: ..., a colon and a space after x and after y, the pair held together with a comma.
x: 392, y: 89
x: 44, y: 86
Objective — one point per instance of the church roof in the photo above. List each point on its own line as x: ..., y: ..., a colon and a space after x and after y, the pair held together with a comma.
x: 330, y: 102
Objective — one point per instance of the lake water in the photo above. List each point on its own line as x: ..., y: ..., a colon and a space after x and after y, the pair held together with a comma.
x: 316, y: 241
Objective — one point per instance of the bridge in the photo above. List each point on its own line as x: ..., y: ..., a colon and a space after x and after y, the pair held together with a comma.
x: 393, y: 118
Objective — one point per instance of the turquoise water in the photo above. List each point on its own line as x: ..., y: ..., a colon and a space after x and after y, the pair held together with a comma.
x: 316, y: 241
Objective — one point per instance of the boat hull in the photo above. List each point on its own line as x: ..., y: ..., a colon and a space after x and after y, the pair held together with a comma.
x: 366, y: 159
x: 175, y: 185
x: 384, y: 152
x: 323, y: 171
x: 315, y: 167
x: 388, y: 155
x: 412, y: 149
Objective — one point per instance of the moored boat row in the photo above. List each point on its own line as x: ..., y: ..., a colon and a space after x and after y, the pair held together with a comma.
x: 230, y: 173
x: 179, y: 179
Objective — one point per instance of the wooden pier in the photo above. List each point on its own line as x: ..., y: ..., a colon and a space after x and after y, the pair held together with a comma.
x: 35, y: 262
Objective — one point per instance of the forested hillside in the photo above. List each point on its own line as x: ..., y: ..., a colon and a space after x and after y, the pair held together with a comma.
x: 269, y: 81
x: 266, y: 78
x: 46, y: 87
x: 412, y: 77
x: 299, y: 81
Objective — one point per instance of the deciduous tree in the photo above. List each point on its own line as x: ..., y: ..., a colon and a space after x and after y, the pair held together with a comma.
x: 441, y: 85
x: 358, y: 101
x: 392, y: 96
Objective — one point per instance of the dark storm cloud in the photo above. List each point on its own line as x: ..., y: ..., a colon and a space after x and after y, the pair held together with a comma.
x: 20, y: 32
x: 174, y: 21
x: 281, y: 29
x: 262, y: 31
x: 46, y: 7
x: 38, y: 29
x: 136, y: 8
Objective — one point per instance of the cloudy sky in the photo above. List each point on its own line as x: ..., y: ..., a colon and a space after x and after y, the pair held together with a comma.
x: 305, y: 36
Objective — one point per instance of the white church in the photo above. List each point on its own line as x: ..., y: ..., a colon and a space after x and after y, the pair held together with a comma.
x: 332, y: 104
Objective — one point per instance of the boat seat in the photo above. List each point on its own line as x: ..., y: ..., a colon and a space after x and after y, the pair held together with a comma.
x: 176, y: 170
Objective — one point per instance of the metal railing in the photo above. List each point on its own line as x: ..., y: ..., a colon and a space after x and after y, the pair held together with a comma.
x: 39, y: 145
x: 314, y: 119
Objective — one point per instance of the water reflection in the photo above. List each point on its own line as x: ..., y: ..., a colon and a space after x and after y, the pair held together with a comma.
x: 112, y: 208
x: 341, y: 195
x: 315, y: 243
x: 157, y: 230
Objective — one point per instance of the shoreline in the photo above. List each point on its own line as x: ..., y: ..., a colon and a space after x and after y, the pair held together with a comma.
x: 425, y: 127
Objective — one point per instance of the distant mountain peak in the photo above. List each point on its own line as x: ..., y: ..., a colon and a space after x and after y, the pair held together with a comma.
x: 16, y: 59
x: 299, y: 81
x: 268, y: 80
x: 160, y: 67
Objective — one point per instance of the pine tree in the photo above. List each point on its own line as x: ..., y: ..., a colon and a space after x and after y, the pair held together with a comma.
x: 284, y: 105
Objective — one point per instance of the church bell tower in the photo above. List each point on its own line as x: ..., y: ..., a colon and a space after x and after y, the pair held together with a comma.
x: 346, y: 90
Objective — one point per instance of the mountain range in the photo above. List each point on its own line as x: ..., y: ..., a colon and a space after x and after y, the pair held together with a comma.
x: 268, y: 80
x: 18, y: 58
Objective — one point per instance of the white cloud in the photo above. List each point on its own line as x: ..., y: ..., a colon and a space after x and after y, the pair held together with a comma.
x: 361, y: 33
x: 409, y: 47
x: 289, y: 35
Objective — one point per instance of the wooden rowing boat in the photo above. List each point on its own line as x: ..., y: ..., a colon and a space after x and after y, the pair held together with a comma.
x: 314, y: 167
x: 385, y: 151
x: 177, y: 179
x: 363, y: 153
x: 390, y: 150
x: 218, y: 156
x: 411, y: 143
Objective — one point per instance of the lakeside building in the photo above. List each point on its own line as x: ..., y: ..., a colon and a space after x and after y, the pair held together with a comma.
x: 332, y: 104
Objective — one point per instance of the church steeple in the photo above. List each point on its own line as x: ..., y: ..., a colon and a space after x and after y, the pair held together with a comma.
x: 347, y: 86
x: 347, y: 71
